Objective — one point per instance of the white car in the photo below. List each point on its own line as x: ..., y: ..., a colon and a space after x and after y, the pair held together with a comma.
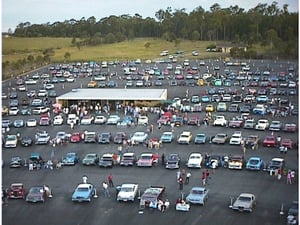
x: 87, y: 120
x: 245, y: 202
x: 49, y: 86
x: 185, y: 137
x: 13, y: 111
x: 42, y: 93
x: 40, y: 110
x: 11, y: 141
x: 236, y: 138
x: 30, y: 82
x: 139, y: 137
x: 194, y: 160
x: 58, y: 120
x: 31, y: 123
x: 127, y: 192
x: 262, y: 124
x: 143, y: 120
x: 220, y: 121
x: 72, y: 118
x: 100, y: 120
x: 113, y: 120
x: 70, y: 79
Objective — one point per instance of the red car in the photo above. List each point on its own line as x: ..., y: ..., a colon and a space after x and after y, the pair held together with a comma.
x: 290, y: 127
x: 270, y: 141
x: 75, y: 137
x: 287, y: 142
x: 16, y: 190
x: 193, y: 120
x: 164, y: 120
x: 236, y: 123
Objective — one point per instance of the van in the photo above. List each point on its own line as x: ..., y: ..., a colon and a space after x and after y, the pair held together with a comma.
x: 72, y: 118
x: 90, y: 137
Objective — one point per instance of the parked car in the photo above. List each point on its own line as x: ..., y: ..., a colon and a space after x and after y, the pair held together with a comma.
x: 90, y: 159
x: 84, y: 193
x: 172, y: 161
x: 139, y: 137
x: 11, y: 141
x: 147, y: 159
x: 143, y: 120
x: 220, y: 138
x: 290, y: 127
x: 185, y: 137
x: 120, y: 137
x: 216, y: 159
x: 167, y: 137
x: 236, y: 162
x: 244, y: 202
x: 252, y: 142
x: 113, y: 120
x: 26, y: 141
x: 39, y: 194
x: 269, y: 141
x: 105, y: 138
x: 109, y: 160
x: 236, y: 138
x: 198, y: 195
x: 200, y: 138
x: 255, y: 163
x: 128, y: 159
x: 194, y: 160
x: 220, y: 121
x: 16, y: 162
x: 262, y: 124
x: 16, y: 191
x: 87, y: 120
x: 100, y: 119
x: 287, y: 142
x: 70, y: 159
x: 90, y: 137
x: 127, y: 192
x: 58, y: 120
x: 275, y: 125
x: 275, y: 164
x: 75, y: 137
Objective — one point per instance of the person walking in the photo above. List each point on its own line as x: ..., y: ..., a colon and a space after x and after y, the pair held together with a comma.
x: 110, y: 180
x: 289, y: 178
x: 203, y: 178
x: 187, y: 179
x: 105, y: 190
x: 180, y: 181
x: 206, y: 176
x: 4, y: 197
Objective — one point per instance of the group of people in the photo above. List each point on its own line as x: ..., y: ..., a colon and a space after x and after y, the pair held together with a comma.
x: 105, y: 184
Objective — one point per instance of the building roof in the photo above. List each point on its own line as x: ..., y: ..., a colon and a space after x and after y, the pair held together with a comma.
x: 114, y: 94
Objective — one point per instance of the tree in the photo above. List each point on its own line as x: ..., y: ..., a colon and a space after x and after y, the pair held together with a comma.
x: 67, y: 56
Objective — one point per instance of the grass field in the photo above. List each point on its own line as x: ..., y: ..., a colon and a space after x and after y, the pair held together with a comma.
x: 19, y: 48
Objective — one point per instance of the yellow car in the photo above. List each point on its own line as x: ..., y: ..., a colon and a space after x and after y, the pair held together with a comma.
x: 4, y: 111
x: 92, y: 84
x: 209, y: 108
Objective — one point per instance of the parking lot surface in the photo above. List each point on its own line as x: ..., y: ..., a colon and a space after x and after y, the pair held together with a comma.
x: 224, y: 184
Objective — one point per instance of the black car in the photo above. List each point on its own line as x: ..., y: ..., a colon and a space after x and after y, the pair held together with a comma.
x: 104, y: 138
x: 16, y: 162
x: 173, y: 161
x: 120, y: 137
x: 26, y: 141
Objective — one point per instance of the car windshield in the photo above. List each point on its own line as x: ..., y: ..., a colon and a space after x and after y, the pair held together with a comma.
x: 244, y: 199
x: 36, y: 190
x: 82, y: 189
x: 127, y: 189
x: 197, y: 192
x: 90, y: 156
x: 146, y: 157
x: 126, y: 157
x: 254, y: 161
x: 195, y: 157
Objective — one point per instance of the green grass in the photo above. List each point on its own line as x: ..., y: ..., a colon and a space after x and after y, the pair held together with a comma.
x: 20, y: 48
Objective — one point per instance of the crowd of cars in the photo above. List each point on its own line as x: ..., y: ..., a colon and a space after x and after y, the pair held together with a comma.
x: 242, y: 108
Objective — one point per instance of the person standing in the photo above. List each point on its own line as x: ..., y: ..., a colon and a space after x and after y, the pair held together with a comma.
x: 4, y: 197
x: 187, y: 179
x: 163, y: 159
x: 110, y: 180
x: 180, y: 181
x: 105, y: 189
x: 206, y: 176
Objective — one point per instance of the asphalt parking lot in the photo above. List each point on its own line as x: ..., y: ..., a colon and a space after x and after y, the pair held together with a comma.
x: 223, y: 185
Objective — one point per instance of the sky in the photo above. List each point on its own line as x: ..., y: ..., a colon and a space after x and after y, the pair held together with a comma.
x: 15, y: 12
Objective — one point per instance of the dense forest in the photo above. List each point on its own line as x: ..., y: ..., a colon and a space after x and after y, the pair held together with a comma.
x: 266, y: 25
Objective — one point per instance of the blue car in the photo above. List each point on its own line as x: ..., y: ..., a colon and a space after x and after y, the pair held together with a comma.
x: 255, y: 163
x: 71, y: 159
x: 198, y: 195
x: 127, y: 121
x: 262, y: 99
x: 205, y: 99
x: 167, y: 137
x: 84, y: 193
x: 200, y: 138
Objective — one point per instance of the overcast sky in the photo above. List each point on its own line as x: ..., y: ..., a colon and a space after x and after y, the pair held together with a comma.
x: 15, y: 12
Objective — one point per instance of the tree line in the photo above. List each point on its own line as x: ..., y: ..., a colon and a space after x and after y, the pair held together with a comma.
x: 267, y: 25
